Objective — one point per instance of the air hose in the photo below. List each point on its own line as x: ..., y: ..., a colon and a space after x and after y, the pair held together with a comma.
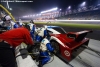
x: 35, y: 57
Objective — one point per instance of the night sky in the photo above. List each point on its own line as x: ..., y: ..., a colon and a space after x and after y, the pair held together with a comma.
x: 20, y: 9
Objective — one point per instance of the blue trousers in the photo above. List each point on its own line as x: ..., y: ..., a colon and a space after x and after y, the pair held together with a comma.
x: 32, y: 34
x: 38, y: 38
x: 46, y: 57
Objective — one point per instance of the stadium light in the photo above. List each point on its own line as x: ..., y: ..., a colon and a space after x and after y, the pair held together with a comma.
x: 27, y: 15
x: 33, y: 15
x: 49, y: 10
x: 24, y: 16
x: 60, y: 9
x: 83, y: 4
x: 69, y: 7
x: 39, y: 14
x: 30, y: 15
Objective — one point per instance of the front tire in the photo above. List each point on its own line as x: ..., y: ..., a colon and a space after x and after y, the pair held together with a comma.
x: 56, y: 47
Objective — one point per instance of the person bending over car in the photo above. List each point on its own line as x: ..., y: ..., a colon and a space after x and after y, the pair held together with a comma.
x: 10, y: 40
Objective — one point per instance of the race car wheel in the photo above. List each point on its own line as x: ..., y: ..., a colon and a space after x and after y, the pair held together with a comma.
x: 36, y: 50
x: 55, y: 45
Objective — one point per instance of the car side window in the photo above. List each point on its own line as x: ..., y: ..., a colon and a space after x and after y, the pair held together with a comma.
x: 50, y: 32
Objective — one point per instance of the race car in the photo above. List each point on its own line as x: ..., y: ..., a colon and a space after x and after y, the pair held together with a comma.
x: 67, y: 44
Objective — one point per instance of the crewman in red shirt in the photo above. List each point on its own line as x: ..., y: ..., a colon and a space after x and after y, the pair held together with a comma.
x: 9, y: 40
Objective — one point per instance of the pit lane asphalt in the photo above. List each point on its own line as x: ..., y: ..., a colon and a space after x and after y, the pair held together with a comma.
x: 94, y: 35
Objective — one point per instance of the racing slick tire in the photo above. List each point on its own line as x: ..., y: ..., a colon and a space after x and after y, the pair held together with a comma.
x: 56, y: 47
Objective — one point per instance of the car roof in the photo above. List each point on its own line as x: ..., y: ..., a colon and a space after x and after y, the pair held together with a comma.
x: 56, y: 30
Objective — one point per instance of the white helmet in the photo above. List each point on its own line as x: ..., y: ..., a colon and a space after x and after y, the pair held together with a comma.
x: 8, y: 18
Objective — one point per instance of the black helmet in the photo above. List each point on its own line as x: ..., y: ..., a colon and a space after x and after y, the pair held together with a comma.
x: 27, y: 26
x: 31, y: 21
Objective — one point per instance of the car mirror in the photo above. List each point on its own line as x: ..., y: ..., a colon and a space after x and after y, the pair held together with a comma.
x: 49, y: 32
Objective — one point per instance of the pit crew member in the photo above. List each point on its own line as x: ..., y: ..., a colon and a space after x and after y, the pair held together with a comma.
x: 41, y: 33
x: 20, y: 22
x: 32, y: 27
x: 7, y: 23
x: 17, y: 25
x: 45, y: 46
x: 10, y: 40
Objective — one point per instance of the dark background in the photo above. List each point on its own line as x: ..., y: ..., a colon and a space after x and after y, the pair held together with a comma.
x: 20, y: 9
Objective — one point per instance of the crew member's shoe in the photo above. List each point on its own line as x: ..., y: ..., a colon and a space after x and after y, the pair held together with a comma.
x: 40, y: 64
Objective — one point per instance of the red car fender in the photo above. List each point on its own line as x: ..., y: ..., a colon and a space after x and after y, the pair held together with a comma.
x: 57, y: 40
x: 65, y: 51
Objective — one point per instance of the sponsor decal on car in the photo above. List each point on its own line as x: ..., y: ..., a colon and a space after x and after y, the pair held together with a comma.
x: 66, y: 53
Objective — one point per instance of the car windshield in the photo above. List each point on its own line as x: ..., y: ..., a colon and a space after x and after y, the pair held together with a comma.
x: 60, y: 30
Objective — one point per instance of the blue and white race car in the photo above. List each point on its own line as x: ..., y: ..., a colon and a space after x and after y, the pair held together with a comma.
x: 64, y: 42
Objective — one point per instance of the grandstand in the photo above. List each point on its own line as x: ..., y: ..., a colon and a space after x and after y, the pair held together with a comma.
x: 84, y: 13
x: 87, y: 15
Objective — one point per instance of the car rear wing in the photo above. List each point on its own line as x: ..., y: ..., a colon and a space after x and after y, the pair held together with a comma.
x: 78, y: 36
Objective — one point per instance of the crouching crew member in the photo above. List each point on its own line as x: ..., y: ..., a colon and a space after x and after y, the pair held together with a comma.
x: 9, y: 40
x: 45, y: 46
